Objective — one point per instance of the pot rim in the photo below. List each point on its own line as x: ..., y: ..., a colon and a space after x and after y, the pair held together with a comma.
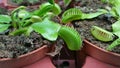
x: 111, y: 53
x: 24, y: 55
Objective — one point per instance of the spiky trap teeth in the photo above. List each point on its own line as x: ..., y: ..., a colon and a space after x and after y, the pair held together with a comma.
x: 101, y: 34
x: 71, y: 14
x: 71, y: 37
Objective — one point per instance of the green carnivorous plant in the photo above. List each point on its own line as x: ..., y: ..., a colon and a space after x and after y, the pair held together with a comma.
x: 21, y: 21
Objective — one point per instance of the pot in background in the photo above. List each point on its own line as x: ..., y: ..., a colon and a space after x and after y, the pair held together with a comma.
x: 101, y: 54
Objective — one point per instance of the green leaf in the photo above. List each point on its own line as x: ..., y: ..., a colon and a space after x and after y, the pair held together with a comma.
x: 56, y: 9
x: 47, y: 29
x: 19, y: 31
x: 93, y: 15
x: 3, y: 27
x: 116, y: 28
x: 67, y: 2
x: 5, y: 19
x: 115, y: 7
x: 115, y: 11
x: 114, y: 44
x: 14, y: 16
x: 51, y: 1
x: 105, y: 1
x: 76, y: 14
x: 114, y: 2
x: 102, y: 34
x: 48, y: 7
x: 71, y: 14
x: 44, y: 8
x: 24, y: 14
x: 29, y: 30
x: 49, y: 15
x: 17, y: 9
x: 35, y: 18
x: 71, y: 37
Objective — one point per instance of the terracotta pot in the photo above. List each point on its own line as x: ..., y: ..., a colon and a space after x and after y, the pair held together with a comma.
x: 101, y: 54
x: 25, y: 59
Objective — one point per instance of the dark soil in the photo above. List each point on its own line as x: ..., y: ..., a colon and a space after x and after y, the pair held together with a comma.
x: 104, y: 21
x: 13, y: 46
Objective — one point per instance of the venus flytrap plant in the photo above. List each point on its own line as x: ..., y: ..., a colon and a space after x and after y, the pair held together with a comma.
x: 22, y: 19
x: 106, y: 36
x: 114, y: 11
x: 76, y: 14
x: 24, y: 22
x: 51, y: 31
x: 18, y: 16
x: 97, y: 32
